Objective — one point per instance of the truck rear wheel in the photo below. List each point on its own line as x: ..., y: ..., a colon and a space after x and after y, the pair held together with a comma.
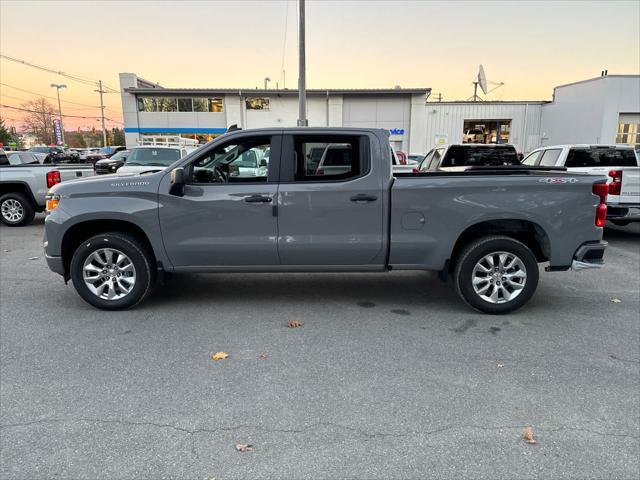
x: 16, y: 210
x: 496, y: 274
x: 112, y: 271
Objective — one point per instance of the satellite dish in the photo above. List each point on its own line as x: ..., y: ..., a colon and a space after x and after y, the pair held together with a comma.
x: 482, y: 80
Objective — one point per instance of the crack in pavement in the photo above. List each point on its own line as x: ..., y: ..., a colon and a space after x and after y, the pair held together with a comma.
x: 313, y: 426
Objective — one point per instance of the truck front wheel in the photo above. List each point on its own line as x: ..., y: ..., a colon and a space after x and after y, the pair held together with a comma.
x: 16, y: 210
x: 496, y: 274
x: 112, y: 271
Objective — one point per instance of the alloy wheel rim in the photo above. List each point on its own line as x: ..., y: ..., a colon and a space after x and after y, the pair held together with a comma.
x: 12, y: 210
x: 109, y: 274
x: 499, y: 277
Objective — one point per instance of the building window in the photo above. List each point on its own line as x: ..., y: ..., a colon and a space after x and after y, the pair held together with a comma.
x: 182, y: 104
x: 257, y: 103
x: 486, y: 131
x: 167, y: 104
x: 628, y: 133
x: 185, y: 105
x: 147, y: 104
x: 215, y: 104
x: 200, y: 105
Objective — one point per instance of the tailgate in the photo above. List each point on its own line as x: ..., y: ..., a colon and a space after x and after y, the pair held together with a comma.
x: 630, y: 190
x: 71, y: 173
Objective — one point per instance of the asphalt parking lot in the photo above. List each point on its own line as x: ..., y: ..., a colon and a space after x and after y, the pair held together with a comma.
x: 390, y: 376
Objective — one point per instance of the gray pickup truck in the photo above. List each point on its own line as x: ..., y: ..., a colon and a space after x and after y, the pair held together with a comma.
x: 487, y: 228
x: 24, y: 182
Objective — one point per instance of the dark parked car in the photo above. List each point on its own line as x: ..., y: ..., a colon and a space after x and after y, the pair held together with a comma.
x: 104, y: 152
x: 461, y: 156
x: 57, y: 154
x: 111, y: 165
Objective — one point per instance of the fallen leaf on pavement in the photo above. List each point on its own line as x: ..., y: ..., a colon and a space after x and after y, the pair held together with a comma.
x: 527, y: 434
x: 219, y: 356
x: 263, y: 356
x: 243, y: 447
x: 33, y: 258
x: 616, y: 300
x: 294, y: 324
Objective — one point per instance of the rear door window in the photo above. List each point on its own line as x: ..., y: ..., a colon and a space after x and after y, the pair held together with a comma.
x: 601, y: 157
x: 533, y: 158
x: 424, y: 165
x: 550, y: 157
x: 327, y: 157
x: 435, y: 160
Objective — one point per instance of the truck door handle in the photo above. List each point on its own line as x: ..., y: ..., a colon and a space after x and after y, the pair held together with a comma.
x: 363, y: 197
x: 258, y: 199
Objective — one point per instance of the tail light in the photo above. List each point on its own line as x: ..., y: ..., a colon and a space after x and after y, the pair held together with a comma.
x: 615, y: 187
x: 53, y: 177
x: 601, y: 190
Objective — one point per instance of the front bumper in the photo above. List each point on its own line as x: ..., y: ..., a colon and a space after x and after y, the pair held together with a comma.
x: 589, y: 255
x: 624, y: 211
x: 55, y: 264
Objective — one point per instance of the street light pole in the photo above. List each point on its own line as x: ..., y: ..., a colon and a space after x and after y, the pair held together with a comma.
x: 302, y: 84
x: 58, y: 86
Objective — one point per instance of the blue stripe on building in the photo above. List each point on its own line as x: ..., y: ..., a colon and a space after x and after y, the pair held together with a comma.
x: 175, y: 130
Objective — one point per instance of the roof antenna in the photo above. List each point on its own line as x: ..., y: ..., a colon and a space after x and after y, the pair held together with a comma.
x: 233, y: 128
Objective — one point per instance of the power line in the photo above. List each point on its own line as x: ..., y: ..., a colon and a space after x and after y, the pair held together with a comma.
x: 47, y: 96
x: 70, y: 116
x: 77, y: 78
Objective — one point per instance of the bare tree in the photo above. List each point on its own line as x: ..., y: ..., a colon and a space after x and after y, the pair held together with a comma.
x: 38, y: 119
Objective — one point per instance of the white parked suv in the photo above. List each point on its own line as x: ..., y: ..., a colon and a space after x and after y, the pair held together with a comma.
x: 617, y: 162
x: 156, y: 153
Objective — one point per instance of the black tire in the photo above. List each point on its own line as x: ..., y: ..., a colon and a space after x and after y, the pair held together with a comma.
x: 476, y: 250
x: 28, y: 212
x: 129, y: 246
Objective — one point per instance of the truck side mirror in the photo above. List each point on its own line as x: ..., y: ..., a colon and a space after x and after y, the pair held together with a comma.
x: 177, y: 182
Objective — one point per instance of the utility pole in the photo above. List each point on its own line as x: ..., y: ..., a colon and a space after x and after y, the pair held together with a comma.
x: 266, y: 82
x: 104, y: 131
x: 302, y: 84
x: 58, y: 87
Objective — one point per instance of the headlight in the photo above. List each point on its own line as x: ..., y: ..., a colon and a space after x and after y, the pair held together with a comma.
x: 52, y: 201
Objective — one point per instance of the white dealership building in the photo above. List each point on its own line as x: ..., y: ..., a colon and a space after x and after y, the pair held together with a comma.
x: 604, y: 109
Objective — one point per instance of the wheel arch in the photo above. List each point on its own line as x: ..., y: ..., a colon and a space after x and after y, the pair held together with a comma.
x: 20, y: 187
x: 81, y: 231
x: 525, y: 231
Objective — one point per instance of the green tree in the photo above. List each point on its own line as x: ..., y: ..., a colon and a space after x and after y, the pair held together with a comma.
x: 118, y: 137
x: 5, y: 135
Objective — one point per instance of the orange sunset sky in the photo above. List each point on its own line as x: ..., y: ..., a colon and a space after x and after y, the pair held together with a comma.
x: 531, y: 46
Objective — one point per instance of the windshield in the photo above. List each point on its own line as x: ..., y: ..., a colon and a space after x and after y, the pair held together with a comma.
x: 121, y: 155
x: 462, y: 156
x: 155, y: 157
x: 601, y: 157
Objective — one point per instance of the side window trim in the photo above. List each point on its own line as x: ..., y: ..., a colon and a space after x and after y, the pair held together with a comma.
x: 288, y: 161
x: 536, y: 161
x: 273, y: 171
